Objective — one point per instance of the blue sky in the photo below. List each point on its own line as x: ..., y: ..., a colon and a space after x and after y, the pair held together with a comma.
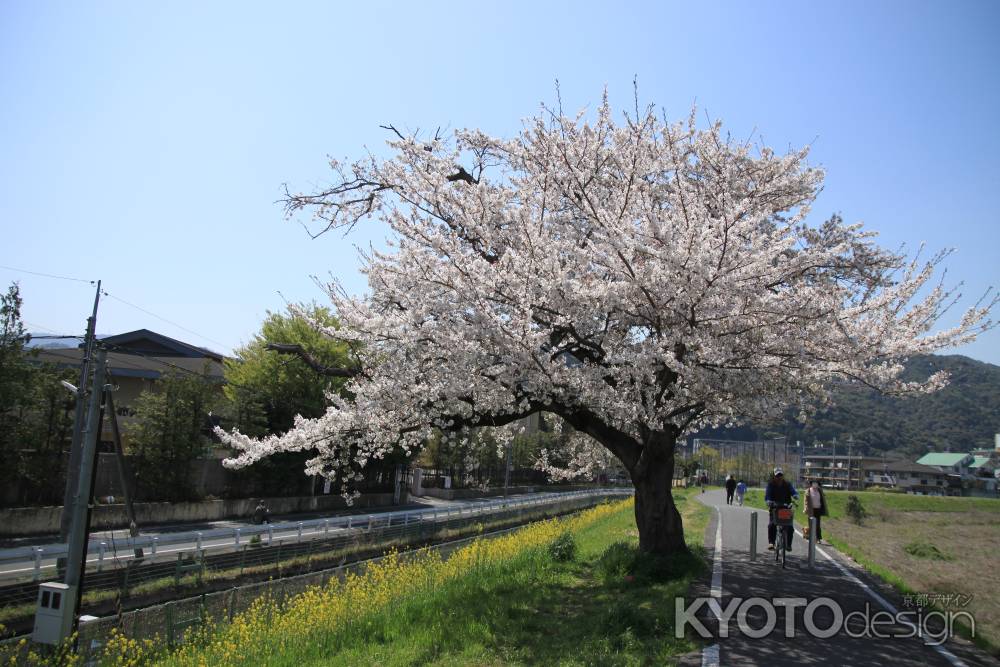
x: 146, y: 144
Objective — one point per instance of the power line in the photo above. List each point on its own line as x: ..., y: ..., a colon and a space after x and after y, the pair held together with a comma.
x: 48, y: 275
x: 152, y: 314
x: 117, y: 298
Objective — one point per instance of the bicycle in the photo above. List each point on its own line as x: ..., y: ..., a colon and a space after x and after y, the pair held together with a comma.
x: 783, y: 516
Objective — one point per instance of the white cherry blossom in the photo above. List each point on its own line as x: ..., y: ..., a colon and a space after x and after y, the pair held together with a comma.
x: 639, y: 279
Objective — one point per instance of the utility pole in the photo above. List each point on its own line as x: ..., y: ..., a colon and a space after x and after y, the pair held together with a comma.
x: 75, y: 450
x: 80, y: 527
x: 506, y: 472
x: 59, y: 604
x: 124, y: 472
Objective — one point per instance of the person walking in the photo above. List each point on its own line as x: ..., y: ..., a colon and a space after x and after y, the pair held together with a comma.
x: 815, y: 506
x: 741, y: 490
x: 730, y: 489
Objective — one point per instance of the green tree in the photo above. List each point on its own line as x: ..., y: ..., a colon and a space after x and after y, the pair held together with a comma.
x: 284, y: 385
x: 14, y: 368
x: 172, y: 430
x: 35, y: 414
x: 267, y: 389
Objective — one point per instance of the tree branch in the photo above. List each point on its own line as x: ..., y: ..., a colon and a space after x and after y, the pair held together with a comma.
x: 312, y: 362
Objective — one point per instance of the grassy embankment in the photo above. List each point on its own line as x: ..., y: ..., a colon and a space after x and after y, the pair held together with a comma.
x: 503, y: 600
x: 923, y: 545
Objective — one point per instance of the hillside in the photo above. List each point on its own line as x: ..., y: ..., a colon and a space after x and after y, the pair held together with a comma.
x: 964, y: 415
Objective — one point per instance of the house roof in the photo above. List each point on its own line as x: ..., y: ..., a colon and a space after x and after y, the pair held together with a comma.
x: 150, y: 343
x: 979, y: 461
x: 910, y: 466
x: 123, y: 364
x: 945, y: 459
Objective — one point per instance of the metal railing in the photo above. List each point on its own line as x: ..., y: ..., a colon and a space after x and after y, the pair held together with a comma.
x: 182, y: 561
x: 200, y: 592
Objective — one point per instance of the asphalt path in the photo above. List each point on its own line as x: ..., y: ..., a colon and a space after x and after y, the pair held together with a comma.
x: 835, y: 578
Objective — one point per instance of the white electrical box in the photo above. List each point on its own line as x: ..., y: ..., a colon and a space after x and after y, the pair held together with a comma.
x: 54, y: 615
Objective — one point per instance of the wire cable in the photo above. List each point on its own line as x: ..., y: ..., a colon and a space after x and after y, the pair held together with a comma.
x: 179, y: 326
x: 48, y: 275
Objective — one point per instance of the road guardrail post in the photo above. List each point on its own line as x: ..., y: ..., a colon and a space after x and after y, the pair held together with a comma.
x: 812, y: 541
x: 199, y: 540
x: 100, y: 555
x: 237, y: 537
x: 326, y: 526
x: 270, y: 533
x: 300, y: 531
x: 38, y: 563
x: 152, y: 547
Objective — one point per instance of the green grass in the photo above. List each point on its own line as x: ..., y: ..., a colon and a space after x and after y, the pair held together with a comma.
x: 541, y: 612
x: 529, y: 609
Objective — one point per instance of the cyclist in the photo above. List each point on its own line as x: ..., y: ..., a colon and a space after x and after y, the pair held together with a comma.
x: 779, y: 492
x: 261, y: 513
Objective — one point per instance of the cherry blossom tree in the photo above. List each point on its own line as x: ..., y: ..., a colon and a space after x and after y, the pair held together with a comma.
x: 638, y: 278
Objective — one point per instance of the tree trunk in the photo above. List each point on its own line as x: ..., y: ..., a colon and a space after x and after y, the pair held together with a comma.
x: 659, y: 522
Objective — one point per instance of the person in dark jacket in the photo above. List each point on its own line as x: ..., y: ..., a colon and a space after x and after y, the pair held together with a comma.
x: 779, y: 492
x: 730, y: 489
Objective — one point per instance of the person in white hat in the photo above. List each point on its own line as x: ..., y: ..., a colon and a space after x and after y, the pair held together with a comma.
x: 779, y: 492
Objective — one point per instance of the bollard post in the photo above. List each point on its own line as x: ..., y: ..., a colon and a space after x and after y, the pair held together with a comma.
x: 38, y: 563
x: 753, y: 536
x: 100, y: 555
x: 812, y: 541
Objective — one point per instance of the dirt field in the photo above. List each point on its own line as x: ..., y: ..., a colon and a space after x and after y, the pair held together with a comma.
x: 965, y: 533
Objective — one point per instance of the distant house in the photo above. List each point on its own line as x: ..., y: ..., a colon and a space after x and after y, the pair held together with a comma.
x: 956, y: 464
x: 913, y: 478
x: 975, y: 474
x: 982, y: 466
x: 136, y: 360
x: 838, y: 472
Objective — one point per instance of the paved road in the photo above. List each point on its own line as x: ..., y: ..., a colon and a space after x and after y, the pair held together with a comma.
x: 835, y: 577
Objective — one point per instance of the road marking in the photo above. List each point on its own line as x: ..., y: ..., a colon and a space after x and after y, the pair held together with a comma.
x: 717, y: 562
x: 888, y: 606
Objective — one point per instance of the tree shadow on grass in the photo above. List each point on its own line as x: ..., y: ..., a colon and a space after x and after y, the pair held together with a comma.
x: 567, y: 615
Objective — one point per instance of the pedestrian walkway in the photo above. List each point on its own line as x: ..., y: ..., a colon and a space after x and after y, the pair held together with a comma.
x: 835, y: 582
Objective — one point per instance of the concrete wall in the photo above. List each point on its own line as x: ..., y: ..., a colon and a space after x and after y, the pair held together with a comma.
x: 452, y: 494
x: 23, y: 521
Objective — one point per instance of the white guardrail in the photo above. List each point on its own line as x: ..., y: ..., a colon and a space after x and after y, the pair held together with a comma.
x: 34, y: 559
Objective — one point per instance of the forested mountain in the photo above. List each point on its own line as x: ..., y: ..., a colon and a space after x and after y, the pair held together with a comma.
x: 963, y: 416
